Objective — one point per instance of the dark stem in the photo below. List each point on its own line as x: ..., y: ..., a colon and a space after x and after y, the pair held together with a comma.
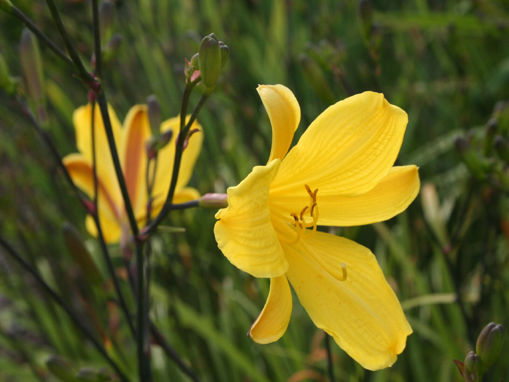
x: 330, y: 364
x: 42, y: 37
x: 100, y: 235
x: 59, y: 301
x: 97, y: 38
x: 82, y: 71
x: 184, y: 129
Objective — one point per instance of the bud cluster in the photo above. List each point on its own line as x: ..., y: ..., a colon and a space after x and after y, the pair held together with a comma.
x: 487, y: 350
x: 208, y: 62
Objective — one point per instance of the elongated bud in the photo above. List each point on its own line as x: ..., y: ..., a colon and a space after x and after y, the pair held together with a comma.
x: 5, y: 5
x: 472, y: 371
x: 106, y: 11
x: 7, y: 83
x: 210, y: 60
x: 32, y: 68
x: 489, y: 343
x: 214, y: 200
x: 366, y: 17
x: 61, y: 369
x: 154, y: 114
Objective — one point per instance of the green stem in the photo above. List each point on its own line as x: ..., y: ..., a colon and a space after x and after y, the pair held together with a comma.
x: 330, y: 363
x: 59, y: 301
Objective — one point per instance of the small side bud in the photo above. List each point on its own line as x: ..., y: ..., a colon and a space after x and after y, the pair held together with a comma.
x: 106, y: 12
x: 154, y: 114
x: 156, y: 143
x: 31, y: 63
x: 472, y: 364
x: 214, y: 200
x: 489, y: 343
x: 210, y: 61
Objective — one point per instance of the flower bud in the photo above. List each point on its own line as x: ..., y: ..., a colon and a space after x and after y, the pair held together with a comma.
x: 156, y: 143
x: 32, y: 69
x: 5, y: 5
x: 106, y: 11
x: 210, y: 60
x: 489, y: 343
x: 154, y: 114
x: 472, y: 371
x: 214, y: 200
x: 366, y: 17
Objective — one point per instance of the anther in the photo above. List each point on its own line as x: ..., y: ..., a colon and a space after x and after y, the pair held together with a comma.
x: 343, y: 272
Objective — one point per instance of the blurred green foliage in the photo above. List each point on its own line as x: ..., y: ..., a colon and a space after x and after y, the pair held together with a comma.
x: 445, y: 62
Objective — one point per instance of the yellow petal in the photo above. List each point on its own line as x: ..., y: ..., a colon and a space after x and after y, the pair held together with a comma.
x: 390, y: 197
x: 361, y: 312
x: 284, y: 114
x: 347, y: 150
x: 166, y: 155
x: 133, y: 156
x: 244, y: 232
x: 185, y: 195
x: 111, y: 229
x: 82, y: 119
x: 272, y: 322
x: 81, y: 173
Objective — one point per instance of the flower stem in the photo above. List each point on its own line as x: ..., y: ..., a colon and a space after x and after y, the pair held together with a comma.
x: 330, y: 363
x: 59, y: 301
x: 184, y: 129
x: 100, y: 235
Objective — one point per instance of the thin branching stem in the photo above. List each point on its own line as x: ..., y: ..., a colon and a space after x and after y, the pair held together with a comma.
x: 40, y: 35
x: 60, y: 302
x: 182, y: 136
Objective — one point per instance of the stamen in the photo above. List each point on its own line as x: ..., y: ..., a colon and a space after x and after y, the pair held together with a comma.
x: 301, y: 221
x: 302, y: 213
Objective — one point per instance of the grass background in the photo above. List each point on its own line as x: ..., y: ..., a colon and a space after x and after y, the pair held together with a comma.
x: 445, y: 62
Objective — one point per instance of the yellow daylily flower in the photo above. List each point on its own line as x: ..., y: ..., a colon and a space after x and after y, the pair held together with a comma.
x: 340, y: 173
x: 131, y: 145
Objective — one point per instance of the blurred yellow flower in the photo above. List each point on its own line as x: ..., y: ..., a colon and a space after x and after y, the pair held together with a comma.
x: 340, y: 173
x: 131, y: 141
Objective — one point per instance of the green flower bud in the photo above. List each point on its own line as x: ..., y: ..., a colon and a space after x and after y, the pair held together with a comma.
x: 489, y: 343
x: 31, y: 63
x: 210, y: 60
x: 6, y: 5
x: 61, y: 369
x: 472, y: 371
x: 106, y: 11
x: 195, y: 62
x: 154, y: 114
